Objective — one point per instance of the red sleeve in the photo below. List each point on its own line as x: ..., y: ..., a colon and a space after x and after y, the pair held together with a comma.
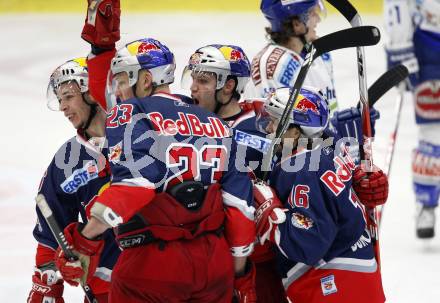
x: 44, y: 255
x: 239, y: 231
x: 98, y: 67
x: 125, y: 201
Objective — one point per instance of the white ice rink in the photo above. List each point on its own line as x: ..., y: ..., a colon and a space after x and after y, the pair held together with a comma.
x: 33, y: 45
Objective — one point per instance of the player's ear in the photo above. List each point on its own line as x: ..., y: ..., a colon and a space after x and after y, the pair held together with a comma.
x: 145, y: 83
x: 229, y: 86
x: 297, y: 26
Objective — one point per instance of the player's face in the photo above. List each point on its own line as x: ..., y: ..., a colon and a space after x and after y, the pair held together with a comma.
x: 203, y: 89
x: 123, y: 89
x: 72, y: 104
x: 312, y: 22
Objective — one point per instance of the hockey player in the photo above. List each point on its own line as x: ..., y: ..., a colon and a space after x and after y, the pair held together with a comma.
x: 174, y: 188
x: 413, y: 29
x: 77, y: 174
x: 292, y: 25
x: 318, y: 223
x: 216, y: 76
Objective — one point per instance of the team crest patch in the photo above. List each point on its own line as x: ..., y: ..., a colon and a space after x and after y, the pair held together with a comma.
x: 115, y: 153
x: 328, y: 285
x: 301, y: 221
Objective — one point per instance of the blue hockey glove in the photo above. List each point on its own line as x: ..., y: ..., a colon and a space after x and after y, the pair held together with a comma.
x: 348, y: 123
x: 406, y: 57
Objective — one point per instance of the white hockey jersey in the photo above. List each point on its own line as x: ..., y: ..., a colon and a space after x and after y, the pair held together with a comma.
x: 276, y: 66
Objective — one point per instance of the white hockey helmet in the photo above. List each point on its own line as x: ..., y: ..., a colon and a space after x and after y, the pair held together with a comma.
x: 310, y: 110
x: 223, y: 61
x: 72, y: 71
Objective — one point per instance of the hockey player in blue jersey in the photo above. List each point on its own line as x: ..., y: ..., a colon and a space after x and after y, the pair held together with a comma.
x: 318, y: 223
x: 413, y: 29
x: 174, y: 188
x: 76, y: 175
x: 216, y: 76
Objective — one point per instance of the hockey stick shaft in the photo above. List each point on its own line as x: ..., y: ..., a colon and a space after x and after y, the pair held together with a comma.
x: 60, y: 238
x: 392, y: 142
x: 366, y: 150
x: 352, y: 37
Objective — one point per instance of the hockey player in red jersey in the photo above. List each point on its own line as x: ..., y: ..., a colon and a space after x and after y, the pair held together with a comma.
x: 216, y: 75
x: 76, y: 175
x: 318, y: 222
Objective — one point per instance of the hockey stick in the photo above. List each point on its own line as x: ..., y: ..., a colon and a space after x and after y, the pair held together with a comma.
x: 392, y: 143
x: 59, y: 237
x: 366, y: 150
x: 384, y: 83
x: 352, y: 37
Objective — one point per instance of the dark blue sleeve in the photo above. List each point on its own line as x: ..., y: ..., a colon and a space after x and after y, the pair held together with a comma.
x: 63, y: 206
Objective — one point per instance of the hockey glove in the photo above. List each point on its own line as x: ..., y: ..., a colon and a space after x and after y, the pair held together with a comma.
x: 46, y: 286
x: 406, y: 57
x: 371, y: 188
x: 244, y: 286
x: 348, y: 123
x: 101, y: 28
x: 88, y: 252
x: 269, y: 211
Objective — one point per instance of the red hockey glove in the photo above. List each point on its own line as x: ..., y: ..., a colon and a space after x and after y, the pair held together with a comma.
x: 101, y: 26
x: 269, y: 211
x: 244, y: 286
x: 88, y: 252
x: 46, y: 286
x: 371, y: 188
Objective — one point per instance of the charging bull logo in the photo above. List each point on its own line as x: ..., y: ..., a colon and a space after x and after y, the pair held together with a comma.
x: 231, y: 54
x: 304, y: 104
x: 138, y: 47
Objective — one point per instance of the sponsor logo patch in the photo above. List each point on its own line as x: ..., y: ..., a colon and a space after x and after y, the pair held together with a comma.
x: 80, y: 177
x: 328, y: 285
x: 115, y: 152
x: 272, y: 61
x: 301, y: 221
x: 256, y: 142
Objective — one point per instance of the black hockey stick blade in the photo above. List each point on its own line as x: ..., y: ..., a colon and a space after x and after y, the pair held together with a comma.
x: 60, y: 238
x: 345, y: 8
x: 386, y: 82
x: 350, y: 37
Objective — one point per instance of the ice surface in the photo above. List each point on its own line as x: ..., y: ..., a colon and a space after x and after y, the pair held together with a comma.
x: 33, y: 45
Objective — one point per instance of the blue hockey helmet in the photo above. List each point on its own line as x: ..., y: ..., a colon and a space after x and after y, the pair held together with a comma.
x: 310, y: 110
x: 278, y: 11
x: 147, y: 53
x: 223, y: 61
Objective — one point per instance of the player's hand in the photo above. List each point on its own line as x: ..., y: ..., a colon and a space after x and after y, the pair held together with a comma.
x: 370, y: 187
x: 244, y: 286
x: 87, y: 251
x: 269, y: 211
x: 406, y: 57
x: 101, y: 28
x: 46, y: 286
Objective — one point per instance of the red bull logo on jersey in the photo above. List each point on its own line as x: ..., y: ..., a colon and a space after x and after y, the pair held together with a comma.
x: 304, y: 104
x: 335, y: 180
x: 80, y: 177
x: 189, y: 125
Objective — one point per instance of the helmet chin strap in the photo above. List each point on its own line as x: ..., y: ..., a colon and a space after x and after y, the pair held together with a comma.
x: 218, y: 104
x: 92, y: 114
